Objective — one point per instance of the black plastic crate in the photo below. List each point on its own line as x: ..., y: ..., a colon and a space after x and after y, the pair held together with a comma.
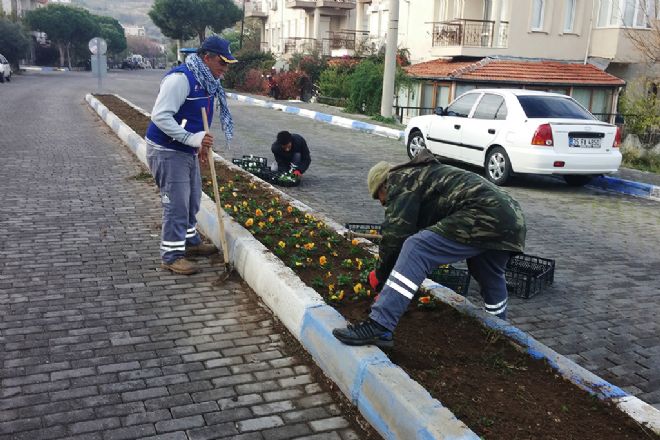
x: 455, y: 279
x: 364, y: 228
x: 528, y: 275
x: 250, y: 162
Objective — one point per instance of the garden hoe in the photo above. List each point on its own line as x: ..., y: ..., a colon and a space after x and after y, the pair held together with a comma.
x: 223, y: 238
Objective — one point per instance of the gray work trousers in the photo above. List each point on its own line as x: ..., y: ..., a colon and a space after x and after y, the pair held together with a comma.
x: 178, y: 178
x: 425, y: 251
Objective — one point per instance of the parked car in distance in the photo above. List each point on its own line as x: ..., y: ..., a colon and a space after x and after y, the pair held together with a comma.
x: 5, y: 69
x: 511, y: 131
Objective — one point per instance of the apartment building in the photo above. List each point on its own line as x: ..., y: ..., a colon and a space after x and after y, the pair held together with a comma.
x: 290, y: 26
x: 131, y: 30
x: 578, y: 47
x: 20, y: 7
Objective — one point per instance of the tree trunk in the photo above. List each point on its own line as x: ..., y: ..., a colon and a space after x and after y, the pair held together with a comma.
x: 60, y: 49
x: 68, y: 54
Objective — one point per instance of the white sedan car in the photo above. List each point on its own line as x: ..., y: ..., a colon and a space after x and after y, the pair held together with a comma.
x: 519, y: 131
x: 5, y: 69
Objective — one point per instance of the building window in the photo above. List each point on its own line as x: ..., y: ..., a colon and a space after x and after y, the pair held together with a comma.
x: 569, y: 15
x: 538, y: 7
x: 626, y: 13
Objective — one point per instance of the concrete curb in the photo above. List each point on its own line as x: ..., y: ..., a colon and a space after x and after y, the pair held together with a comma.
x: 397, y: 406
x: 605, y: 182
x: 323, y: 117
x: 43, y: 69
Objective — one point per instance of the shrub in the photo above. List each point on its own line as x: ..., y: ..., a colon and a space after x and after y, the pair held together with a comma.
x: 366, y: 88
x: 334, y: 83
x: 289, y: 84
x: 249, y: 60
x: 255, y: 82
x: 312, y: 65
x: 641, y: 108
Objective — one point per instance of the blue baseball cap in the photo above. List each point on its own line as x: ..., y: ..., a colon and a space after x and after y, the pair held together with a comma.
x: 220, y: 47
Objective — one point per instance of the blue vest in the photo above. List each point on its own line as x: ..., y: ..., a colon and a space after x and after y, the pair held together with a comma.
x: 190, y: 111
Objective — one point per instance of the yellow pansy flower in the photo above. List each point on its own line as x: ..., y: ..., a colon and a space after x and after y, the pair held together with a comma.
x: 249, y: 222
x: 323, y: 260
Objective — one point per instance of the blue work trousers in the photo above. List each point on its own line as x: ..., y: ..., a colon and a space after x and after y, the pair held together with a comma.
x: 425, y: 251
x: 178, y: 178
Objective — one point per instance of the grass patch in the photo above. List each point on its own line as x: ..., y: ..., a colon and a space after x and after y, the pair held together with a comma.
x: 142, y: 176
x: 641, y: 160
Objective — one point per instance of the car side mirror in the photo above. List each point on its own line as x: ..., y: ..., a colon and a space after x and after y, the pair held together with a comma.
x: 439, y: 111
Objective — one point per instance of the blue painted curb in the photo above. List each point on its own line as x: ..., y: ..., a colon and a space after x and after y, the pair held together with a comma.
x: 630, y: 187
x: 323, y: 117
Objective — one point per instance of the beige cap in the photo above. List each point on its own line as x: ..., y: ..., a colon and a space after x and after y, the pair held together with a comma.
x: 377, y: 176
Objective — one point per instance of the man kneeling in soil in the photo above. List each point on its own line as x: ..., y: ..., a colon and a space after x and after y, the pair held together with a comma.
x: 291, y: 153
x: 436, y: 214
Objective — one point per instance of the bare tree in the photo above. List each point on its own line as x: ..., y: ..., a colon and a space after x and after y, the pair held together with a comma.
x: 647, y: 41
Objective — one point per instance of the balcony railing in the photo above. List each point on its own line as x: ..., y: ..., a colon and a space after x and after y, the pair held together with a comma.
x: 341, y: 40
x: 470, y: 33
x: 301, y: 45
x: 309, y: 4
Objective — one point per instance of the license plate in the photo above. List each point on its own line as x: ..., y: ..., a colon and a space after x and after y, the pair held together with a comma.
x: 584, y: 142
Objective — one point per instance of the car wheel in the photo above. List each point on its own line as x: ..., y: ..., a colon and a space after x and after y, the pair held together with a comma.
x: 498, y: 166
x: 2, y: 77
x: 416, y: 143
x: 577, y: 179
x: 8, y: 78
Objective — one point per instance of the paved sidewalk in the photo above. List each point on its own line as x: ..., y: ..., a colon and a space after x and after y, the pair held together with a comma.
x: 96, y: 341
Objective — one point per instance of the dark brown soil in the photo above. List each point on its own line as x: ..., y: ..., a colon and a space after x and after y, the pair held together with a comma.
x: 495, y: 389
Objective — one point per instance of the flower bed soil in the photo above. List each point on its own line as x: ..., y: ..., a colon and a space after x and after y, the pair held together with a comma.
x: 493, y: 387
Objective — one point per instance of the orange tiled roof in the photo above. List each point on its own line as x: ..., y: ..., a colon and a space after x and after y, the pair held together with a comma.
x: 516, y: 71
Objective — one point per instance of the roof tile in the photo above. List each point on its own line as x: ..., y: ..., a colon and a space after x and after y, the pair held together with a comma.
x: 515, y: 71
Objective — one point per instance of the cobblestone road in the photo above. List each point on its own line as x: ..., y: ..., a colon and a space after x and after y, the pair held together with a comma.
x: 96, y: 342
x: 603, y: 309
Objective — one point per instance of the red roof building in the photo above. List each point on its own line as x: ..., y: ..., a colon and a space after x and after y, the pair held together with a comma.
x: 440, y: 81
x: 517, y: 72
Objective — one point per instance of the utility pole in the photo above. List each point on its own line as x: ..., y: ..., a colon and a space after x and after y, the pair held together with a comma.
x: 240, y: 41
x: 387, y: 99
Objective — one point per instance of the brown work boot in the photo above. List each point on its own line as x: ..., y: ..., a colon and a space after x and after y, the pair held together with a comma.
x: 201, y: 250
x: 181, y: 266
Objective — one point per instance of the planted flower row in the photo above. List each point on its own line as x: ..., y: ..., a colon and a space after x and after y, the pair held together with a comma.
x: 335, y: 266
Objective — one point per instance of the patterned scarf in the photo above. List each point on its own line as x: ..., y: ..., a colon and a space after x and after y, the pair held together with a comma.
x: 213, y: 87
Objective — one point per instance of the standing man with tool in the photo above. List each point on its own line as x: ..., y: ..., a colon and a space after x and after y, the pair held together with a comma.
x: 291, y: 153
x: 436, y: 214
x: 176, y: 140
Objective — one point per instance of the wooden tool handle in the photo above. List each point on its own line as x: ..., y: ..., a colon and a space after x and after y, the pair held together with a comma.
x: 216, y: 193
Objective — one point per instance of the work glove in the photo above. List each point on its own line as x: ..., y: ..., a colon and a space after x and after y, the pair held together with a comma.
x: 373, y: 281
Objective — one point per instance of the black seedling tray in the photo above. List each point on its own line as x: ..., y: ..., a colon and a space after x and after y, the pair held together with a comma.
x: 455, y: 279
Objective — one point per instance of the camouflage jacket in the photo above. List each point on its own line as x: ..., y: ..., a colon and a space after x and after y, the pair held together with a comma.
x: 456, y: 204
